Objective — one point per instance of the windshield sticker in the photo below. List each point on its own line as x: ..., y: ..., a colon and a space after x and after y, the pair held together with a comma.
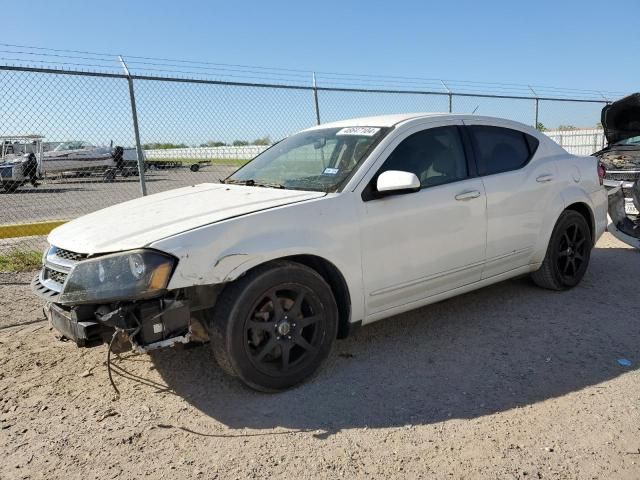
x: 330, y: 171
x: 362, y: 131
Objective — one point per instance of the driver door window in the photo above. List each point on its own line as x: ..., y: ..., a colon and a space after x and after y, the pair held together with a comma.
x: 436, y: 156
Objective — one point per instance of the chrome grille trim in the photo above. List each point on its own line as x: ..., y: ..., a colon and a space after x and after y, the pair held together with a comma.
x: 57, y: 265
x: 623, y: 175
x: 62, y: 259
x: 68, y: 255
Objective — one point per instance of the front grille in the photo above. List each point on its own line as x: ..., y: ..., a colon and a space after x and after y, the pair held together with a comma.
x: 58, y: 262
x: 68, y: 255
x: 623, y: 176
x: 55, y: 276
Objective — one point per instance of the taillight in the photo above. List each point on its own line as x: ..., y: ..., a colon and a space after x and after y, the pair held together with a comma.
x: 601, y: 172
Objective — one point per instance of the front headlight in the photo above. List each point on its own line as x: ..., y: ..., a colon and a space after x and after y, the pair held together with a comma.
x: 133, y: 275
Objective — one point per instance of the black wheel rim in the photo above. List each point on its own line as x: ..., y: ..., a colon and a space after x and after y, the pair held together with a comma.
x: 284, y: 330
x: 571, y: 255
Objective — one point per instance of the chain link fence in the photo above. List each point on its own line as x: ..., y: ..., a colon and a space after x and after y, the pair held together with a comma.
x: 73, y: 142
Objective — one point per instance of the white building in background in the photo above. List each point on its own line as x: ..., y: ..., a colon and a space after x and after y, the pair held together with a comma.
x: 579, y: 142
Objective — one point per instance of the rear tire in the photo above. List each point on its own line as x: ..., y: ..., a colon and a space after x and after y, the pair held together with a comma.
x: 568, y: 253
x: 275, y: 326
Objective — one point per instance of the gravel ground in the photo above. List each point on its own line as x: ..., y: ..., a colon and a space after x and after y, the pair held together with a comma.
x: 506, y: 382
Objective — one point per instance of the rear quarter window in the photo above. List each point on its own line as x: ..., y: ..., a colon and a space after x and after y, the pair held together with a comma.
x: 499, y: 149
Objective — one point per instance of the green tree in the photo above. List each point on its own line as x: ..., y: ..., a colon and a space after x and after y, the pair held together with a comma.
x: 262, y: 141
x: 240, y: 143
x: 213, y: 143
x: 567, y: 127
x: 163, y: 146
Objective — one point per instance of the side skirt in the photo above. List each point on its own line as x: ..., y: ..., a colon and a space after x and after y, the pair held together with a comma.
x: 451, y: 293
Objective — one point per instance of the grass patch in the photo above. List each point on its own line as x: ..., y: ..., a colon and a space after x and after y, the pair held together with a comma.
x: 20, y: 261
x: 236, y: 162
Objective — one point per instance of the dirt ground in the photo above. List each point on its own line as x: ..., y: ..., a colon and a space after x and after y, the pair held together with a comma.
x: 510, y: 381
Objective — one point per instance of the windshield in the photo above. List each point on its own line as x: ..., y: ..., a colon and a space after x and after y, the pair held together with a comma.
x: 629, y: 141
x: 71, y: 146
x: 318, y: 160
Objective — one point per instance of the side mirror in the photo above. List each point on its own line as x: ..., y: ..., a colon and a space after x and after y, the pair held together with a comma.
x: 397, y: 181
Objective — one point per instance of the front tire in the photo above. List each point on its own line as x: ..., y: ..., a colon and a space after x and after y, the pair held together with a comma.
x: 568, y: 253
x: 275, y: 326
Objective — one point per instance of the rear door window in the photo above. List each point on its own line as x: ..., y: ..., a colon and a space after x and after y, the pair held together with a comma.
x: 499, y: 149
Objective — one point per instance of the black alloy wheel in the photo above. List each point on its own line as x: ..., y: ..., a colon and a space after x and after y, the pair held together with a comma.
x: 568, y: 253
x: 274, y: 326
x: 571, y: 252
x: 283, y: 330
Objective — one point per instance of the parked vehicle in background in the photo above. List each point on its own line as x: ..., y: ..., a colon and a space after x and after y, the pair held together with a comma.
x: 23, y: 160
x: 621, y: 160
x: 334, y: 227
x: 19, y: 163
x: 83, y: 157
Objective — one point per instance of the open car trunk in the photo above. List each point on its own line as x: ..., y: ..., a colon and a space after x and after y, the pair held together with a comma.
x: 621, y: 119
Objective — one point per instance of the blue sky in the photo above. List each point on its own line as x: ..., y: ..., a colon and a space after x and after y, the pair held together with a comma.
x: 560, y: 44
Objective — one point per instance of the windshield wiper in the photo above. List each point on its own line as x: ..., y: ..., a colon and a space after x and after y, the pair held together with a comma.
x: 253, y: 183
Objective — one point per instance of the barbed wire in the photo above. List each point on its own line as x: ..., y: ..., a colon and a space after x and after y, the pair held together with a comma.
x: 102, y: 61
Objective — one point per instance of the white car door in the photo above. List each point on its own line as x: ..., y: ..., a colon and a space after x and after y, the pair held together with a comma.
x: 519, y: 184
x: 415, y: 245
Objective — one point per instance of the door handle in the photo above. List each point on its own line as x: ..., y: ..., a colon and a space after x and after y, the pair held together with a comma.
x: 468, y: 195
x: 547, y: 177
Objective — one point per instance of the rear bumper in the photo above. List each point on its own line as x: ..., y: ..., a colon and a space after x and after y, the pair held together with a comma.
x: 623, y: 226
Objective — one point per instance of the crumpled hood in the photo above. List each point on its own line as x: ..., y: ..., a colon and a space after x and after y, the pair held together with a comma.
x: 139, y: 222
x: 621, y: 119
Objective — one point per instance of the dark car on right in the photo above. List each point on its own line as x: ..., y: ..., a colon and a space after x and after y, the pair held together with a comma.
x: 621, y: 161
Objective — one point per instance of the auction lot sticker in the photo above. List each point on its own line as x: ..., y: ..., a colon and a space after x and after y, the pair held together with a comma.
x: 362, y: 131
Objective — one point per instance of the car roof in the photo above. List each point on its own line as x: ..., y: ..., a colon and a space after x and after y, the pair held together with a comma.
x: 398, y: 118
x: 378, y: 121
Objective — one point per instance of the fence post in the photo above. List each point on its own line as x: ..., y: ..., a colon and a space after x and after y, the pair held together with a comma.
x: 450, y: 94
x: 136, y: 130
x: 315, y: 99
x: 535, y: 125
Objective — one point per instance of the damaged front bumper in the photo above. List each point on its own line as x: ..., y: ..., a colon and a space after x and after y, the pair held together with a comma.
x: 177, y: 317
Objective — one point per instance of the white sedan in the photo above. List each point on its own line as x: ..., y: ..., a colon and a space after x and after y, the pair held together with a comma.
x: 334, y: 227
